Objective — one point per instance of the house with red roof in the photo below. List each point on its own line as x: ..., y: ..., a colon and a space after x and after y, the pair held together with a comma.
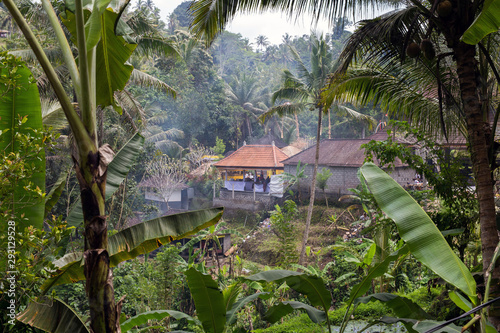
x: 251, y: 177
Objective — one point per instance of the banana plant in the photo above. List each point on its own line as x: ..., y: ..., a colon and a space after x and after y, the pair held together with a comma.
x: 428, y: 245
x: 100, y: 70
x: 217, y: 309
x: 53, y: 315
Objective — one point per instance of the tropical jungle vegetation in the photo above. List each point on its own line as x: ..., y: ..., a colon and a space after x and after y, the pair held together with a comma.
x: 103, y: 101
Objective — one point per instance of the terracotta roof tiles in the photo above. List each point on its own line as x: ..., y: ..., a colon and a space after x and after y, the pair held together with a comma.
x: 254, y: 157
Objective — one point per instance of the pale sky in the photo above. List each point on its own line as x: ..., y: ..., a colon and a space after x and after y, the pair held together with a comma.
x: 271, y: 25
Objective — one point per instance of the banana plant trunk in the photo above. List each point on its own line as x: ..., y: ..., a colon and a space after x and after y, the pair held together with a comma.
x: 91, y: 174
x: 479, y: 133
x: 313, y: 191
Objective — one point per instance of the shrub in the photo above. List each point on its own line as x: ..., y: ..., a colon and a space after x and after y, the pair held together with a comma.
x: 296, y: 324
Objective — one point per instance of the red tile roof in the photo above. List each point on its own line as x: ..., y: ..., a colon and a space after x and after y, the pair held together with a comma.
x: 254, y: 157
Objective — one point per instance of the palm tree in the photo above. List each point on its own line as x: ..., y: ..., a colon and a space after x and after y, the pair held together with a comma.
x: 420, y: 20
x: 304, y: 91
x: 287, y: 39
x: 243, y: 91
x: 261, y: 41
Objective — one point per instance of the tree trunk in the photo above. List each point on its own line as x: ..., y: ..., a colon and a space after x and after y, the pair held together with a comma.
x: 104, y: 313
x: 329, y: 126
x: 313, y: 191
x: 297, y: 125
x: 479, y: 132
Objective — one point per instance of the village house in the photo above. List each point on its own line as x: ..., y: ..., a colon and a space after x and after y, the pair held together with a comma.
x: 343, y: 157
x: 251, y: 177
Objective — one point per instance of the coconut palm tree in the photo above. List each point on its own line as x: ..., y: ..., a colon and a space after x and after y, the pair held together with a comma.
x: 304, y: 92
x: 244, y: 91
x: 261, y: 41
x: 471, y: 65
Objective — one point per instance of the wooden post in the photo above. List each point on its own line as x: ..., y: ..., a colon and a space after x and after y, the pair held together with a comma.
x: 233, y: 190
x: 254, y: 191
x: 214, y: 190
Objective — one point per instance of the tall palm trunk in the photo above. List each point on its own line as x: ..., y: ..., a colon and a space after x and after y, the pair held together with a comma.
x: 297, y: 125
x: 479, y: 133
x: 313, y: 191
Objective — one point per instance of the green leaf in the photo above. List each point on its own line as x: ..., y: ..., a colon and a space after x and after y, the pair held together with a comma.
x: 425, y: 325
x: 422, y: 236
x: 93, y: 27
x: 117, y: 172
x: 374, y: 272
x: 19, y: 98
x: 208, y: 300
x: 52, y: 316
x: 487, y: 22
x: 231, y: 294
x: 143, y: 318
x: 55, y: 192
x: 112, y: 55
x: 148, y: 236
x: 460, y: 301
x: 69, y: 270
x: 408, y: 323
x: 310, y: 285
x: 139, y: 239
x: 277, y: 312
x: 240, y: 303
x: 402, y: 306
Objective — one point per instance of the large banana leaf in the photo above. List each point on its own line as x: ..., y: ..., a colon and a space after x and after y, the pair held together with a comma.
x: 415, y: 227
x: 117, y: 172
x: 143, y: 318
x: 310, y: 285
x: 139, y: 239
x: 231, y: 315
x: 112, y: 53
x: 280, y: 310
x: 487, y: 22
x: 19, y: 98
x: 208, y: 300
x: 70, y: 270
x: 52, y: 316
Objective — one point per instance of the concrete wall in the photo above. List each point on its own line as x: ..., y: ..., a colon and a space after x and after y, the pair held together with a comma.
x: 344, y: 178
x: 244, y: 200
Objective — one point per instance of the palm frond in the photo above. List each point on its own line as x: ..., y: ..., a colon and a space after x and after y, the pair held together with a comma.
x: 132, y: 107
x: 291, y: 93
x: 283, y: 110
x: 382, y: 39
x: 172, y: 133
x: 169, y: 147
x: 212, y: 16
x: 148, y: 45
x: 146, y: 80
x: 53, y: 54
x: 345, y: 111
x: 303, y: 72
x: 53, y: 114
x: 407, y: 95
x: 158, y: 119
x: 43, y: 83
